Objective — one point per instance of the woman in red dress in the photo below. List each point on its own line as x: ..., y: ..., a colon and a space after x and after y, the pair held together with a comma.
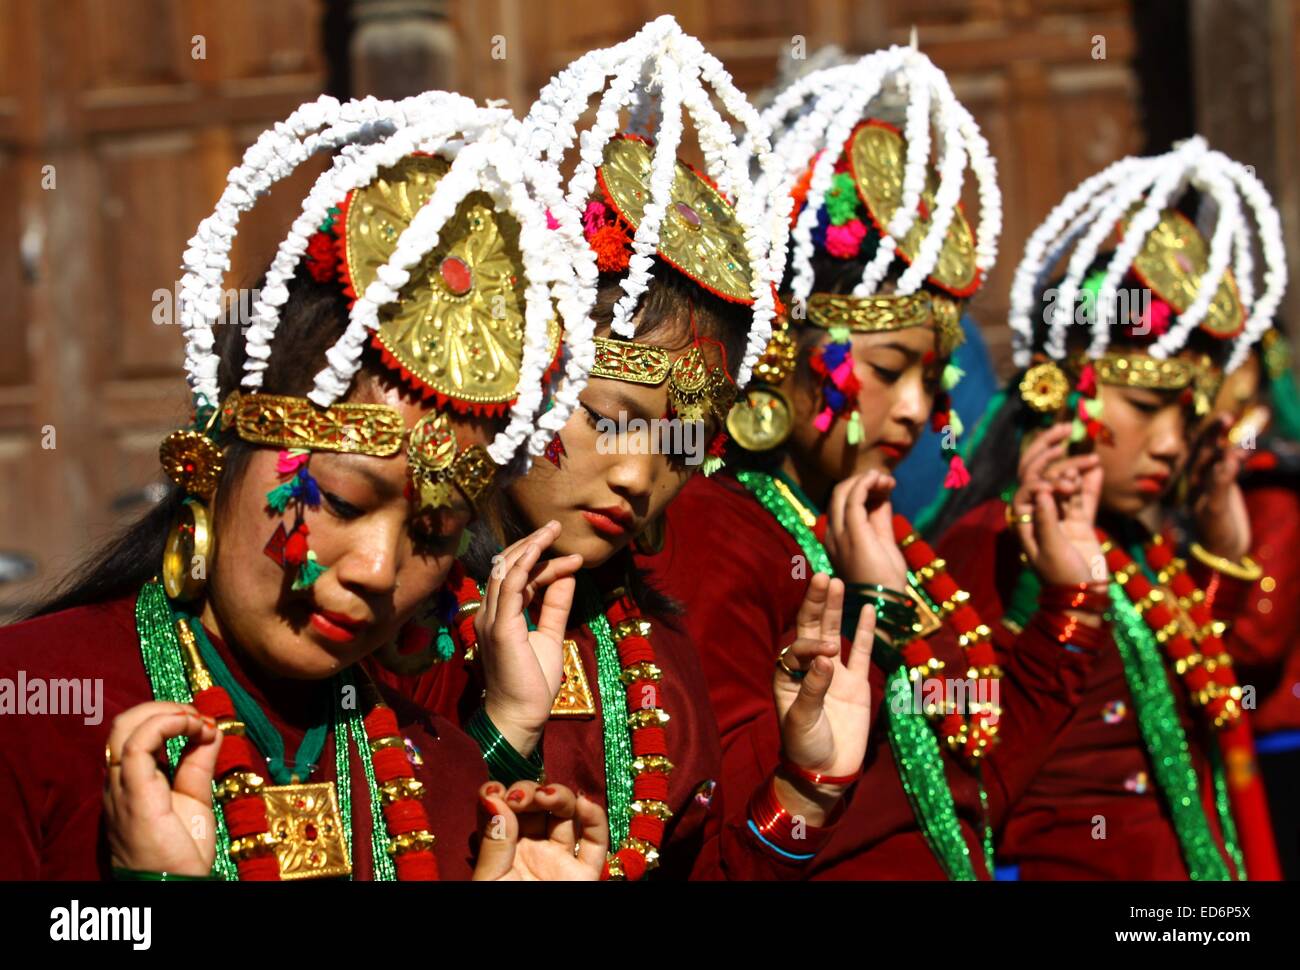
x: 319, y: 500
x: 1129, y: 347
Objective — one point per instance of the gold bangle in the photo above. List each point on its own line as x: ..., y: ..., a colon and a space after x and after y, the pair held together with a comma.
x: 1247, y: 570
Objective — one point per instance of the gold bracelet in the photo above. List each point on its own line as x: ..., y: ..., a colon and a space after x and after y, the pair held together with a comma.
x: 1247, y: 570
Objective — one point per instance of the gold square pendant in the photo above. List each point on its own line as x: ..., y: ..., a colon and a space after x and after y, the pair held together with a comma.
x: 307, y: 827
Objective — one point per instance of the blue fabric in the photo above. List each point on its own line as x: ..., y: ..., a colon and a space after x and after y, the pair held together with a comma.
x: 1007, y: 873
x: 920, y: 475
x: 1277, y: 741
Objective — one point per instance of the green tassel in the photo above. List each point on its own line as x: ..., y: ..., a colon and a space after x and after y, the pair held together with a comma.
x: 711, y: 464
x: 841, y: 199
x: 465, y: 540
x: 855, y: 428
x: 954, y: 422
x: 840, y: 335
x: 1093, y: 407
x: 952, y: 375
x: 279, y: 497
x: 444, y: 645
x: 1090, y: 287
x: 308, y: 572
x: 1078, y: 431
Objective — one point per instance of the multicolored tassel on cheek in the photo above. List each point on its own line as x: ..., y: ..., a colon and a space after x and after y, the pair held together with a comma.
x: 555, y: 450
x: 289, y: 548
x: 833, y: 363
x: 713, y: 462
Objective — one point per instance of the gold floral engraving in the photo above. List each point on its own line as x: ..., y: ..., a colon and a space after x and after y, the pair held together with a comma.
x: 699, y: 234
x: 305, y: 822
x: 876, y: 156
x: 295, y: 422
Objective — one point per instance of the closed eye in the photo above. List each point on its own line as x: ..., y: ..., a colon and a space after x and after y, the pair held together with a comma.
x: 341, y: 508
x: 885, y: 374
x: 594, y: 417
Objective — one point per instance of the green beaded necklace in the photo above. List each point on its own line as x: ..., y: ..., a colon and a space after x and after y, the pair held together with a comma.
x: 915, y: 747
x: 160, y: 650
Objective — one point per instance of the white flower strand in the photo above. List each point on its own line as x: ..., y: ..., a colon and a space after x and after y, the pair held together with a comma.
x: 660, y: 59
x: 1098, y: 203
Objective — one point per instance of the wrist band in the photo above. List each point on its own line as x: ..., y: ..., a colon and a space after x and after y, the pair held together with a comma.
x: 504, y: 763
x: 788, y: 836
x: 144, y: 875
x: 1088, y: 597
x: 1069, y: 631
x: 1247, y: 570
x: 817, y: 778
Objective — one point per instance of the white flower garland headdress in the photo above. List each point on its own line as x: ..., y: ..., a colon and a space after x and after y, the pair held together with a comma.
x: 665, y: 68
x: 1092, y: 211
x: 483, y: 145
x: 819, y: 112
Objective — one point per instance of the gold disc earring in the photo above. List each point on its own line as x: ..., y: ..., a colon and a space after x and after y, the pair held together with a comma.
x: 188, y: 552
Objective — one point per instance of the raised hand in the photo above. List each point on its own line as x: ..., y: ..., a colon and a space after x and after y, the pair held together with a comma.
x: 823, y: 704
x: 524, y: 669
x: 154, y: 824
x: 860, y: 531
x: 533, y: 833
x: 1055, y: 510
x: 1222, y: 522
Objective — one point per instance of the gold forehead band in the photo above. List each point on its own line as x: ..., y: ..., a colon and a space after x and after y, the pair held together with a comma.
x: 694, y: 389
x: 889, y: 311
x: 377, y: 430
x: 295, y: 422
x: 1139, y: 370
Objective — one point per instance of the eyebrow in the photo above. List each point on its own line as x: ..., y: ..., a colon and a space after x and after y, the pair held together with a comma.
x: 630, y: 404
x: 355, y: 463
x: 908, y: 352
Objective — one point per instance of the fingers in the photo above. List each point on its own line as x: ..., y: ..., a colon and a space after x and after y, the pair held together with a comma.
x: 807, y: 705
x: 130, y: 719
x: 499, y: 831
x: 834, y: 612
x: 1041, y: 448
x: 197, y: 765
x: 880, y: 510
x: 559, y: 803
x: 863, y: 640
x: 141, y: 751
x: 501, y: 568
x: 553, y: 620
x: 594, y: 843
x: 855, y: 503
x: 808, y: 621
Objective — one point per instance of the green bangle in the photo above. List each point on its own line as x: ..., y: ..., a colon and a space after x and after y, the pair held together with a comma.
x: 504, y: 763
x: 143, y: 875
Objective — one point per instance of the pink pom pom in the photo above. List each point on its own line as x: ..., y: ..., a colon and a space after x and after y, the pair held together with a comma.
x: 844, y: 242
x: 551, y: 221
x: 593, y: 217
x: 823, y: 421
x: 1158, y: 317
x: 1088, y: 381
x: 287, y: 463
x: 958, y: 476
x: 841, y: 374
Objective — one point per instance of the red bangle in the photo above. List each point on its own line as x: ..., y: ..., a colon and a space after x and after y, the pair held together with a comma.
x: 791, y: 837
x: 1088, y: 597
x: 1069, y: 630
x: 817, y: 778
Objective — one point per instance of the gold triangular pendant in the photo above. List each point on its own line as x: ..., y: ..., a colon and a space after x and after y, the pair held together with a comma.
x: 575, y: 698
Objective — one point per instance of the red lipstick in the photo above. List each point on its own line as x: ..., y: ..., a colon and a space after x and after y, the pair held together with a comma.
x: 894, y: 450
x: 335, y: 626
x: 1151, y: 484
x: 613, y: 521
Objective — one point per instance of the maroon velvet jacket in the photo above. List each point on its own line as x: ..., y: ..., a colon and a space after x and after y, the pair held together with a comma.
x: 697, y: 843
x: 52, y: 766
x: 1265, y: 640
x: 1095, y: 766
x: 734, y: 568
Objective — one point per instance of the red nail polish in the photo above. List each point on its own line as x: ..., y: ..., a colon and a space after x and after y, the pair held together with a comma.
x: 515, y: 796
x: 549, y: 789
x: 488, y: 807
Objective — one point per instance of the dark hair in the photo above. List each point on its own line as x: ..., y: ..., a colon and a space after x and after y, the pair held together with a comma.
x: 313, y: 318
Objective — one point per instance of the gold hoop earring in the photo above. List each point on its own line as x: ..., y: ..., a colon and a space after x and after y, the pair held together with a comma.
x: 187, y: 554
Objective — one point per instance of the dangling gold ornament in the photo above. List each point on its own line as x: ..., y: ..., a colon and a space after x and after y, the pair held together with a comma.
x: 650, y: 540
x: 1045, y: 388
x: 761, y: 420
x: 187, y: 555
x: 193, y: 461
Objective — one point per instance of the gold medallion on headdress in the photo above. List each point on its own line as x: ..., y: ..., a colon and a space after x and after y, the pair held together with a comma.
x: 876, y: 152
x: 458, y: 326
x: 699, y: 234
x: 1172, y: 263
x: 438, y: 469
x: 763, y: 418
